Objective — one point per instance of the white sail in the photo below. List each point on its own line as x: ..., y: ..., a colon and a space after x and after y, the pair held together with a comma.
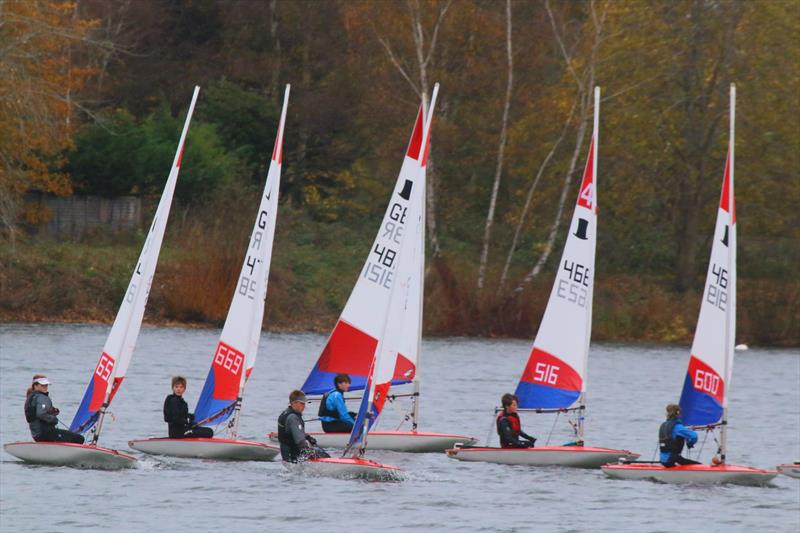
x: 237, y: 348
x: 117, y: 352
x: 555, y: 375
x: 351, y: 346
x: 398, y: 306
x: 705, y: 389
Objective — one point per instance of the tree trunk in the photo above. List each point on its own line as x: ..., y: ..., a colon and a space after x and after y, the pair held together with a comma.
x: 487, y: 230
x: 551, y: 239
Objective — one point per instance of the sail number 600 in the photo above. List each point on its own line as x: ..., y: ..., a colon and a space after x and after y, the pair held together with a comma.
x: 706, y: 382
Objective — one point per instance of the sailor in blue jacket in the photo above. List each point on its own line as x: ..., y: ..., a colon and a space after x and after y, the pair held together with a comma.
x: 332, y: 409
x: 672, y: 435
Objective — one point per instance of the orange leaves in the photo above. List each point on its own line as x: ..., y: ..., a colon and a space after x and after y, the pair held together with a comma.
x: 37, y: 85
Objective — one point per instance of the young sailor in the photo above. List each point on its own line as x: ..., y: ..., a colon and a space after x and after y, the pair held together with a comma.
x: 42, y: 417
x: 296, y: 444
x: 332, y: 410
x: 176, y: 414
x: 509, y: 427
x: 671, y: 437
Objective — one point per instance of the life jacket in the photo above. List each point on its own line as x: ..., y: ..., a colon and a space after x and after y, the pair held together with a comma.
x: 666, y: 442
x: 30, y: 407
x: 284, y: 435
x: 323, y: 406
x: 513, y: 421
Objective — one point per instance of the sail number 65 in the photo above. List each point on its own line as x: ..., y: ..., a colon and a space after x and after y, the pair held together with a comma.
x: 104, y: 367
x: 544, y: 373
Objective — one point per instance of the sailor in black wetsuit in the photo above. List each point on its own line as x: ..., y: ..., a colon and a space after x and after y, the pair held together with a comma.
x: 296, y: 444
x: 509, y: 427
x: 177, y: 415
x: 42, y: 417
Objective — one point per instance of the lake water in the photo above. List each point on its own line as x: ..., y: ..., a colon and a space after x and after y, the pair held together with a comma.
x: 462, y: 382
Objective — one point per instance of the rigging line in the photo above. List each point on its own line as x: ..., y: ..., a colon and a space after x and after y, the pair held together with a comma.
x: 702, y: 444
x: 547, y: 442
x: 489, y: 435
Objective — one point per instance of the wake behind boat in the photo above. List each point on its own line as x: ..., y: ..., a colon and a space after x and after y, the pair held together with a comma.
x: 706, y: 389
x: 555, y: 375
x: 235, y: 356
x: 348, y: 468
x: 112, y: 366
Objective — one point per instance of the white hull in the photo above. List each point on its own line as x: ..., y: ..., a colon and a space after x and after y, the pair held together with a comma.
x: 700, y: 474
x: 398, y: 441
x: 68, y: 454
x: 791, y: 470
x: 571, y: 456
x: 224, y: 449
x: 346, y: 468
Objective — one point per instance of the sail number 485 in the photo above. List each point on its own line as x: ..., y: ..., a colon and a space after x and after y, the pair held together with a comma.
x: 544, y: 373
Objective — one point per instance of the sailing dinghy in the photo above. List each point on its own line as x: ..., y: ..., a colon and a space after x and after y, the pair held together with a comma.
x: 401, y: 293
x: 351, y: 346
x: 235, y: 356
x: 555, y: 376
x: 117, y: 352
x: 706, y: 389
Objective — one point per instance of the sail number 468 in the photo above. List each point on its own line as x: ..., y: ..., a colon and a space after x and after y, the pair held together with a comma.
x: 544, y: 373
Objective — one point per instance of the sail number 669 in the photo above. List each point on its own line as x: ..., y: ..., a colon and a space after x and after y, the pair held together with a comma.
x: 228, y: 359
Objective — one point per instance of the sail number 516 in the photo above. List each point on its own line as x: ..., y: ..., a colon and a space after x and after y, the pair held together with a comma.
x: 544, y: 373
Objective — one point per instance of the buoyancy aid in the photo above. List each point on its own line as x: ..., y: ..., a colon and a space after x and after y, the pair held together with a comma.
x: 513, y: 422
x: 666, y: 442
x: 323, y: 406
x: 30, y: 407
x: 284, y: 435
